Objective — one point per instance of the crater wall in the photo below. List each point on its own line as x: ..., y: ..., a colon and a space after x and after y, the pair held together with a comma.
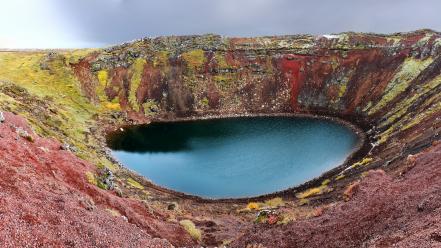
x: 388, y: 84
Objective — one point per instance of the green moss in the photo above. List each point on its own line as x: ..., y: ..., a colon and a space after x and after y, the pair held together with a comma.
x: 204, y: 102
x: 58, y: 84
x: 50, y: 98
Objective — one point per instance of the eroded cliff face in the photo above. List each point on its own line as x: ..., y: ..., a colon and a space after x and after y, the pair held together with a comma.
x: 389, y: 84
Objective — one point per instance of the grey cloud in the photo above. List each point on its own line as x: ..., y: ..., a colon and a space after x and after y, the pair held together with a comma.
x: 114, y: 21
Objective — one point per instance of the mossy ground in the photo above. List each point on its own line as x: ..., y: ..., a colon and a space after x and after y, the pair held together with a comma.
x: 42, y: 87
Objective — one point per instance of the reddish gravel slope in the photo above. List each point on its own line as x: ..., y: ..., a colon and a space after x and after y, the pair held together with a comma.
x: 45, y: 201
x: 385, y: 211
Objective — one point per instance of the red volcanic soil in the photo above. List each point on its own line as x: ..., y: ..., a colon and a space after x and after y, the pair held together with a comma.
x: 398, y: 210
x: 46, y: 201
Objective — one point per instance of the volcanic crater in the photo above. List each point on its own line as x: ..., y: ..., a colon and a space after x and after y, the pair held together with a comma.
x: 59, y: 105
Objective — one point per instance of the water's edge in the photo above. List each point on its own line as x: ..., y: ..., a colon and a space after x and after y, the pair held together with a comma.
x: 359, y: 150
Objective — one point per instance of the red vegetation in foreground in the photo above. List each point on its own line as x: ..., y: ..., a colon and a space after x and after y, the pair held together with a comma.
x: 46, y: 201
x: 404, y: 211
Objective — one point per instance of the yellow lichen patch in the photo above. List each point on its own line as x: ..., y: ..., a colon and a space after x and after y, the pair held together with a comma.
x: 253, y: 206
x: 113, y: 106
x: 134, y: 183
x: 195, y: 59
x: 342, y: 90
x: 312, y: 192
x: 326, y: 182
x: 364, y: 161
x: 408, y: 71
x: 137, y: 69
x: 103, y: 76
x: 90, y: 177
x: 190, y: 227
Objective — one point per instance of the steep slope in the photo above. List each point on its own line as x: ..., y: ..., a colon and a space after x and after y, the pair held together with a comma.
x: 46, y: 201
x: 385, y: 211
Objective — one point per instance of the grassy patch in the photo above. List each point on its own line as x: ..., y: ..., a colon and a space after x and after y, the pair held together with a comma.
x: 190, y: 227
x: 134, y: 183
x: 275, y: 202
x: 312, y: 192
x: 47, y: 93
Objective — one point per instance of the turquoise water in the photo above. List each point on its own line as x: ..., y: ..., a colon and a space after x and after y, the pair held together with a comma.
x: 232, y: 158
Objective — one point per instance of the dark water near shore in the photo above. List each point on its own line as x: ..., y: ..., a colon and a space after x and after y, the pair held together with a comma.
x: 230, y: 158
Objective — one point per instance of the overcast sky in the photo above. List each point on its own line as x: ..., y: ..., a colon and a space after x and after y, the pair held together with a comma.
x: 94, y: 23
